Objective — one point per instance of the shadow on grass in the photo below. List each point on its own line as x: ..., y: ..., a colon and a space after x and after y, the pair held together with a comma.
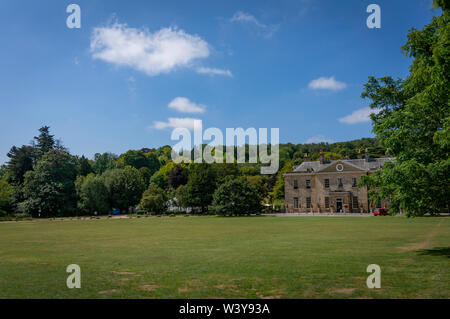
x: 438, y: 251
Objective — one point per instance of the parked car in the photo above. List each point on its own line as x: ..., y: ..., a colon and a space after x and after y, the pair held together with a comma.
x: 380, y: 212
x: 115, y: 211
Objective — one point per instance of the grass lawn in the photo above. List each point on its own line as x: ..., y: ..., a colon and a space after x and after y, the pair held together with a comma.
x: 216, y: 257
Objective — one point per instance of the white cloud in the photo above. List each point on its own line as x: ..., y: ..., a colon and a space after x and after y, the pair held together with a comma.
x: 212, y: 71
x: 359, y: 116
x: 245, y: 17
x: 183, y: 104
x: 175, y: 122
x: 153, y: 53
x: 242, y: 17
x: 319, y: 139
x: 325, y: 83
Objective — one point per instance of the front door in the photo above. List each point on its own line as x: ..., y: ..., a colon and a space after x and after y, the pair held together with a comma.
x: 339, y: 205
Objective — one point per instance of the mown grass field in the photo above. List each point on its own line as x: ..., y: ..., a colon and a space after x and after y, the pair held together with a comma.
x: 215, y: 257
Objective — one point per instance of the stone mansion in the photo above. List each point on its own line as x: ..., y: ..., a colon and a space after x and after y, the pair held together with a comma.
x: 330, y: 186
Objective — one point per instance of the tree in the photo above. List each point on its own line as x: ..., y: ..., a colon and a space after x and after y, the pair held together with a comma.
x: 278, y: 189
x: 45, y: 141
x: 413, y: 122
x: 20, y: 161
x: 138, y: 159
x: 146, y: 175
x: 260, y: 184
x: 125, y: 187
x: 154, y: 199
x: 93, y: 194
x: 177, y: 177
x: 236, y: 197
x: 103, y: 162
x: 84, y: 167
x: 50, y: 187
x: 198, y: 191
x: 160, y: 178
x: 223, y: 170
x: 6, y: 197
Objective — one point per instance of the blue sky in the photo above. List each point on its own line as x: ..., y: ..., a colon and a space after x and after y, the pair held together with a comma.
x: 136, y: 68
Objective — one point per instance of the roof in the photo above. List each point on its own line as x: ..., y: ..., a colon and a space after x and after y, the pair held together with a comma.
x: 371, y: 165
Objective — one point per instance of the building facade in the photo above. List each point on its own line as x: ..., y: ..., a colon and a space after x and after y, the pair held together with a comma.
x: 330, y: 186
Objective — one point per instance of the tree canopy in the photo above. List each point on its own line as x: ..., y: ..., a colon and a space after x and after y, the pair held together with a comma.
x: 413, y: 122
x: 236, y: 197
x: 49, y: 187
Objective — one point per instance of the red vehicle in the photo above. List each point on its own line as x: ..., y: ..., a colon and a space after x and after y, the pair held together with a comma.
x: 380, y: 212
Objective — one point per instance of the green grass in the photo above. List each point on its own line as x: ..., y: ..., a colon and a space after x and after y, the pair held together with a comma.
x: 214, y: 257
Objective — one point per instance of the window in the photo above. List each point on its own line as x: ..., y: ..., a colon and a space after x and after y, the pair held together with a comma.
x: 340, y: 182
x: 327, y: 202
x: 327, y: 183
x: 355, y: 201
x: 354, y: 181
x: 308, y: 202
x: 295, y: 184
x: 295, y: 202
x: 308, y: 183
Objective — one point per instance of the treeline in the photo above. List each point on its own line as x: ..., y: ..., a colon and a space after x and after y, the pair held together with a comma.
x: 44, y: 179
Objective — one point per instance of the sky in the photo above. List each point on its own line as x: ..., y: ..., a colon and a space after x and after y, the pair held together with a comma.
x: 137, y: 69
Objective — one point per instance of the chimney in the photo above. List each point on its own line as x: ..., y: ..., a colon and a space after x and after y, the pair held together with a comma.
x: 367, y: 154
x: 322, y: 158
x: 306, y: 157
x: 359, y: 154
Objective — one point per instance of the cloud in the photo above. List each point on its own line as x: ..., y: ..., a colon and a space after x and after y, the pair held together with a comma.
x: 152, y: 53
x: 242, y: 17
x: 212, y: 71
x: 175, y: 122
x: 245, y: 17
x: 325, y: 83
x: 359, y: 116
x: 319, y: 139
x: 183, y: 104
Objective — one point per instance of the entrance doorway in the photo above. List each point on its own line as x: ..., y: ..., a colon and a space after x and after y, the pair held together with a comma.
x: 339, y: 205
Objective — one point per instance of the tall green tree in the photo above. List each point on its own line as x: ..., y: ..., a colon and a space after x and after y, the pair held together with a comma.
x: 199, y: 190
x: 93, y: 194
x: 21, y: 160
x: 50, y: 187
x: 44, y: 142
x: 125, y: 187
x: 413, y: 122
